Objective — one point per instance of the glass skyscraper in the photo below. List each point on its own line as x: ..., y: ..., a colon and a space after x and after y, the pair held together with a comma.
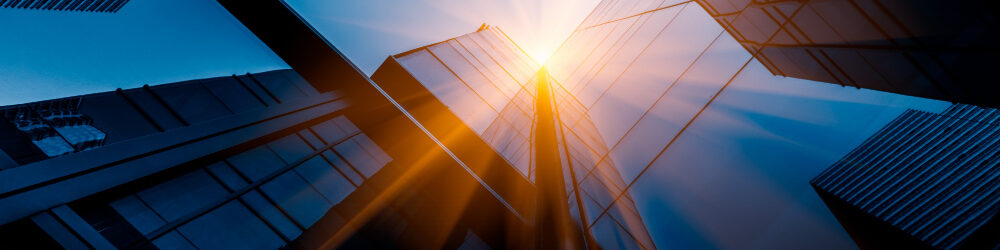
x: 657, y: 124
x: 710, y: 146
x: 938, y: 50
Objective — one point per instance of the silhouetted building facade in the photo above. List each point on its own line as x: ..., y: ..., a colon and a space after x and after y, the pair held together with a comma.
x: 175, y: 165
x: 182, y: 165
x: 926, y: 179
x: 930, y: 49
x: 310, y: 157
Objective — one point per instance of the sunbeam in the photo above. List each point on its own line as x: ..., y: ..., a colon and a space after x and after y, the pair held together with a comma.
x: 367, y: 31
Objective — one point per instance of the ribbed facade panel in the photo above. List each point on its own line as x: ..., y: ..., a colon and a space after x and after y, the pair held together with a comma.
x: 933, y: 176
x: 67, y: 5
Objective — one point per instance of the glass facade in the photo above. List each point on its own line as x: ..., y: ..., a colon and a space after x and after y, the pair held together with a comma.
x: 63, y: 126
x: 665, y: 109
x: 936, y: 50
x: 272, y: 192
x: 485, y: 80
x: 286, y: 158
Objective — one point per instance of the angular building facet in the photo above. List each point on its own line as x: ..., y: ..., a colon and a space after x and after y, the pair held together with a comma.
x: 933, y: 49
x: 182, y: 160
x: 472, y: 93
x: 924, y: 180
x: 315, y: 156
x: 681, y: 138
x: 480, y: 78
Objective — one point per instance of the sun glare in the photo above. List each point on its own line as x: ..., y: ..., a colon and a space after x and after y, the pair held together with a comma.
x: 540, y: 56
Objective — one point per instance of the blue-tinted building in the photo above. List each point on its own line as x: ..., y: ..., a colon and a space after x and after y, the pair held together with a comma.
x: 924, y: 180
x: 930, y: 49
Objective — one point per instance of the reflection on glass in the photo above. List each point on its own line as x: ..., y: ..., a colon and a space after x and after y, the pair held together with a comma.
x: 680, y: 138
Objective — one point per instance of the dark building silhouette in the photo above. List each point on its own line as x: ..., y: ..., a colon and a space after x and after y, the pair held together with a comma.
x: 925, y: 180
x: 130, y: 164
x: 309, y: 157
x: 66, y: 5
x: 933, y: 49
x: 179, y: 165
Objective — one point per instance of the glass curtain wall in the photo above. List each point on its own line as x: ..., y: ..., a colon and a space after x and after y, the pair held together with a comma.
x: 485, y: 80
x: 679, y: 138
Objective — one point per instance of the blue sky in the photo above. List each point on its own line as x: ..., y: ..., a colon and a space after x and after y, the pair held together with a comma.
x: 53, y: 54
x: 368, y: 31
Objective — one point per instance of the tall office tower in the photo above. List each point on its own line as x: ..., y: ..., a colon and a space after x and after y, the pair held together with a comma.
x: 474, y: 93
x: 934, y: 49
x: 478, y: 92
x: 180, y: 165
x: 67, y: 5
x: 924, y: 180
x: 135, y: 167
x: 663, y: 109
x: 481, y: 79
x: 311, y: 155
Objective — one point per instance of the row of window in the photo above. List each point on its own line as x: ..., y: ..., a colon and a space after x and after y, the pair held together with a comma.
x: 57, y: 127
x: 668, y: 116
x: 261, y: 198
x: 880, y: 45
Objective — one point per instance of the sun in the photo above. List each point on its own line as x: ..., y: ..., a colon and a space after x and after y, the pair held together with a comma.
x: 540, y: 56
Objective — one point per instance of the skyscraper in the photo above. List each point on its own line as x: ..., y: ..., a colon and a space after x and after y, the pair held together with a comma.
x: 313, y: 156
x: 472, y: 92
x: 168, y: 165
x: 924, y: 180
x: 665, y: 109
x: 931, y: 49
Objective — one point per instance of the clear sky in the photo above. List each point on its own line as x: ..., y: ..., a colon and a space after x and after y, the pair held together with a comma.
x: 53, y: 54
